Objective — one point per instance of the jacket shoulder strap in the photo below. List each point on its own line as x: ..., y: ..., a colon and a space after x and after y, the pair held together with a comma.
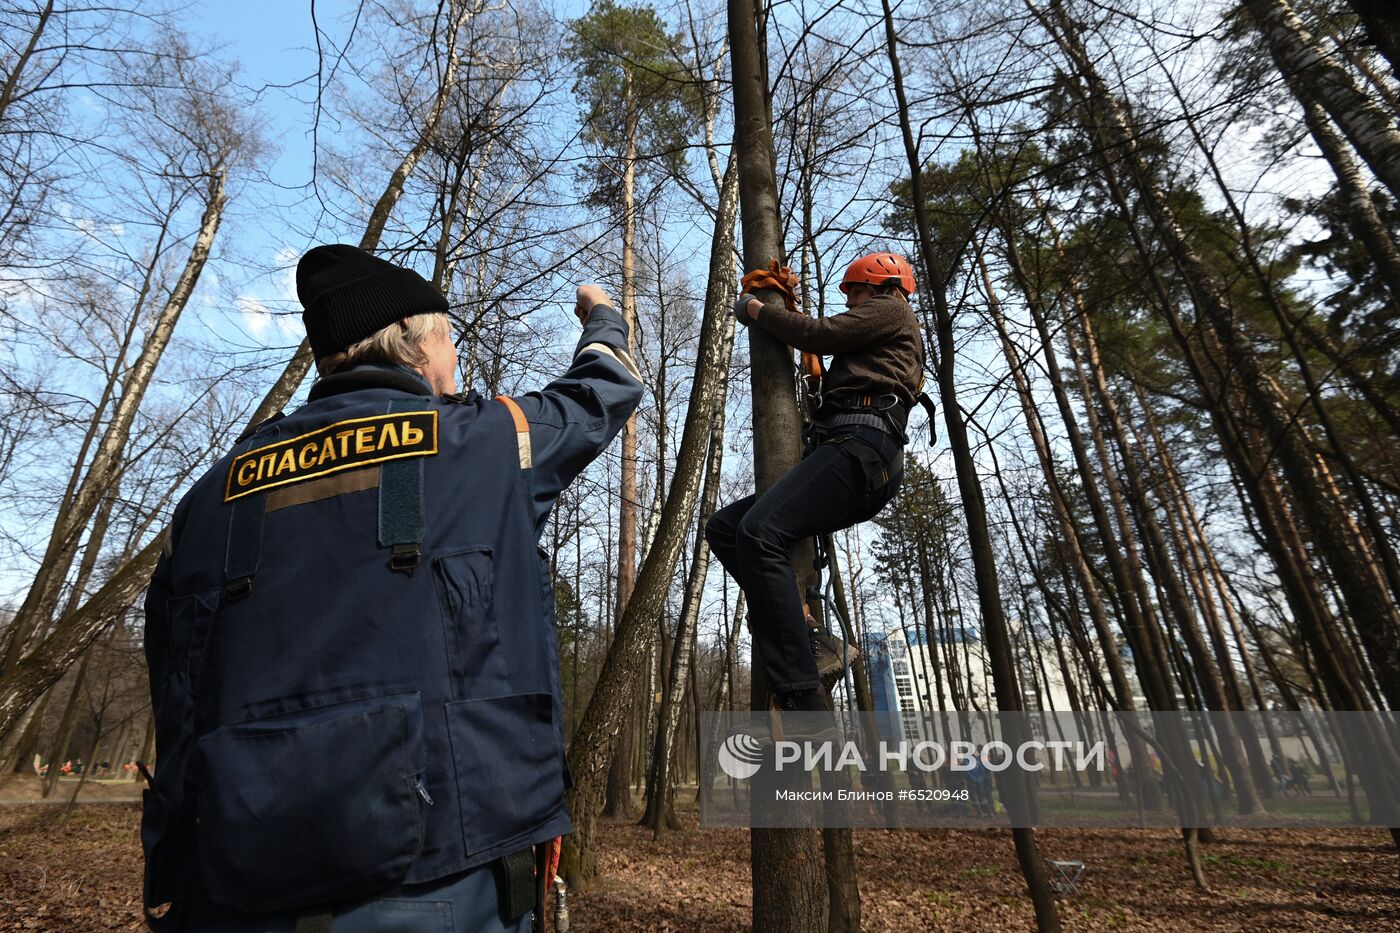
x: 522, y: 430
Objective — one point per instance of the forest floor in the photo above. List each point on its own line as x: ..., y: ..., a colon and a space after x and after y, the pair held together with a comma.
x: 85, y: 875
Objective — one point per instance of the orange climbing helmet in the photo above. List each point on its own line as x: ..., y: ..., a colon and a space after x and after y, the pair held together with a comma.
x: 879, y: 269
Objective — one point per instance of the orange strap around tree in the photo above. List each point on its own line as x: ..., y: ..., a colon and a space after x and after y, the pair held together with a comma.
x: 782, y: 279
x: 776, y: 277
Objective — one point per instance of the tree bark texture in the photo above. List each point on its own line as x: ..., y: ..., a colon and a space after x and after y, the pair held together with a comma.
x: 789, y: 889
x: 1115, y: 144
x: 1316, y: 77
x: 994, y: 625
x: 592, y: 750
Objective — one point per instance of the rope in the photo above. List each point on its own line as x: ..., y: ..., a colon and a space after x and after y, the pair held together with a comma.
x: 821, y: 563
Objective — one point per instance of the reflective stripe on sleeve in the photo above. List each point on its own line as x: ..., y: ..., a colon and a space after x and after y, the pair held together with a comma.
x: 619, y: 355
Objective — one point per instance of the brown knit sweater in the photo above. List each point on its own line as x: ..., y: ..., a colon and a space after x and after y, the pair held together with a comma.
x: 877, y: 347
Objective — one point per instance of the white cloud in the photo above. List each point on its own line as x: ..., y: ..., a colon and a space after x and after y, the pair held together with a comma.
x: 289, y: 325
x: 256, y: 317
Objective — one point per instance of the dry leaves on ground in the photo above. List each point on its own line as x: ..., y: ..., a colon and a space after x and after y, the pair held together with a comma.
x: 86, y: 876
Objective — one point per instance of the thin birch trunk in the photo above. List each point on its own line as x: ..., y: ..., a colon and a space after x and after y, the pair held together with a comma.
x: 1316, y: 77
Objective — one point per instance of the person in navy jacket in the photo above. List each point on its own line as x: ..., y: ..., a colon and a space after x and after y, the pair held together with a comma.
x: 351, y: 634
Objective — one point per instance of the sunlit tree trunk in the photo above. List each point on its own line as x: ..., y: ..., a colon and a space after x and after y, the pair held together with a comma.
x: 1316, y: 77
x: 1071, y: 536
x: 974, y: 505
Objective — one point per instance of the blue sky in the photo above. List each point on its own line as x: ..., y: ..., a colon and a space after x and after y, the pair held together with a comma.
x: 274, y: 220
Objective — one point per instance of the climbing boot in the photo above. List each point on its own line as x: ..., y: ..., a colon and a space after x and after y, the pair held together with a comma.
x: 828, y: 652
x: 802, y: 716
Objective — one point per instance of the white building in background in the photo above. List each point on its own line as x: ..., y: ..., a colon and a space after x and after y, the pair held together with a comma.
x: 907, y: 684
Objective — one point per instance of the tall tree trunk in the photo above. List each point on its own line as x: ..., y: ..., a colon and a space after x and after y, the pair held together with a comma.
x: 593, y: 747
x: 1194, y: 574
x: 1163, y: 570
x: 1114, y: 142
x: 1362, y: 216
x: 974, y: 507
x: 1205, y: 563
x: 789, y: 890
x: 63, y: 738
x: 64, y: 735
x: 619, y: 793
x: 1072, y: 537
x: 1121, y: 555
x: 1316, y: 77
x: 1364, y: 592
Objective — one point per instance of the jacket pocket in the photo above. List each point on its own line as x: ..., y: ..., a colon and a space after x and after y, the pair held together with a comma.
x: 167, y: 823
x: 876, y: 469
x: 311, y: 807
x: 465, y: 583
x: 509, y: 764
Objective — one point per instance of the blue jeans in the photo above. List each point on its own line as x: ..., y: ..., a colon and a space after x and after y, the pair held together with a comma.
x: 837, y: 485
x: 467, y: 903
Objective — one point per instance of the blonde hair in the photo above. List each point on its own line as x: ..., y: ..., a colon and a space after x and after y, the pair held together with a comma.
x: 399, y: 344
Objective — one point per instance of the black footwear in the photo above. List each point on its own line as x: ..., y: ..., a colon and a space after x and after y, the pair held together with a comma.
x: 831, y: 660
x: 802, y: 716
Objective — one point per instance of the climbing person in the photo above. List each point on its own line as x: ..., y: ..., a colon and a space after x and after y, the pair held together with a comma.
x: 851, y: 470
x: 351, y: 633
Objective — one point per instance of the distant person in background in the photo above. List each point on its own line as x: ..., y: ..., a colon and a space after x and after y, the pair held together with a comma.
x: 1280, y: 770
x: 979, y: 783
x: 1298, y: 778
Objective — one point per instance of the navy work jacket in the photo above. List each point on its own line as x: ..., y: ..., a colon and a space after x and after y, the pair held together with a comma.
x: 351, y: 638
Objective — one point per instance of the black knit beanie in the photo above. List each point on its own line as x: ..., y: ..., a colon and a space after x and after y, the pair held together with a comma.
x: 349, y: 294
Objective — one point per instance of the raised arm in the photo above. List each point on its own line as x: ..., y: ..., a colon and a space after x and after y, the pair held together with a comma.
x: 575, y: 417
